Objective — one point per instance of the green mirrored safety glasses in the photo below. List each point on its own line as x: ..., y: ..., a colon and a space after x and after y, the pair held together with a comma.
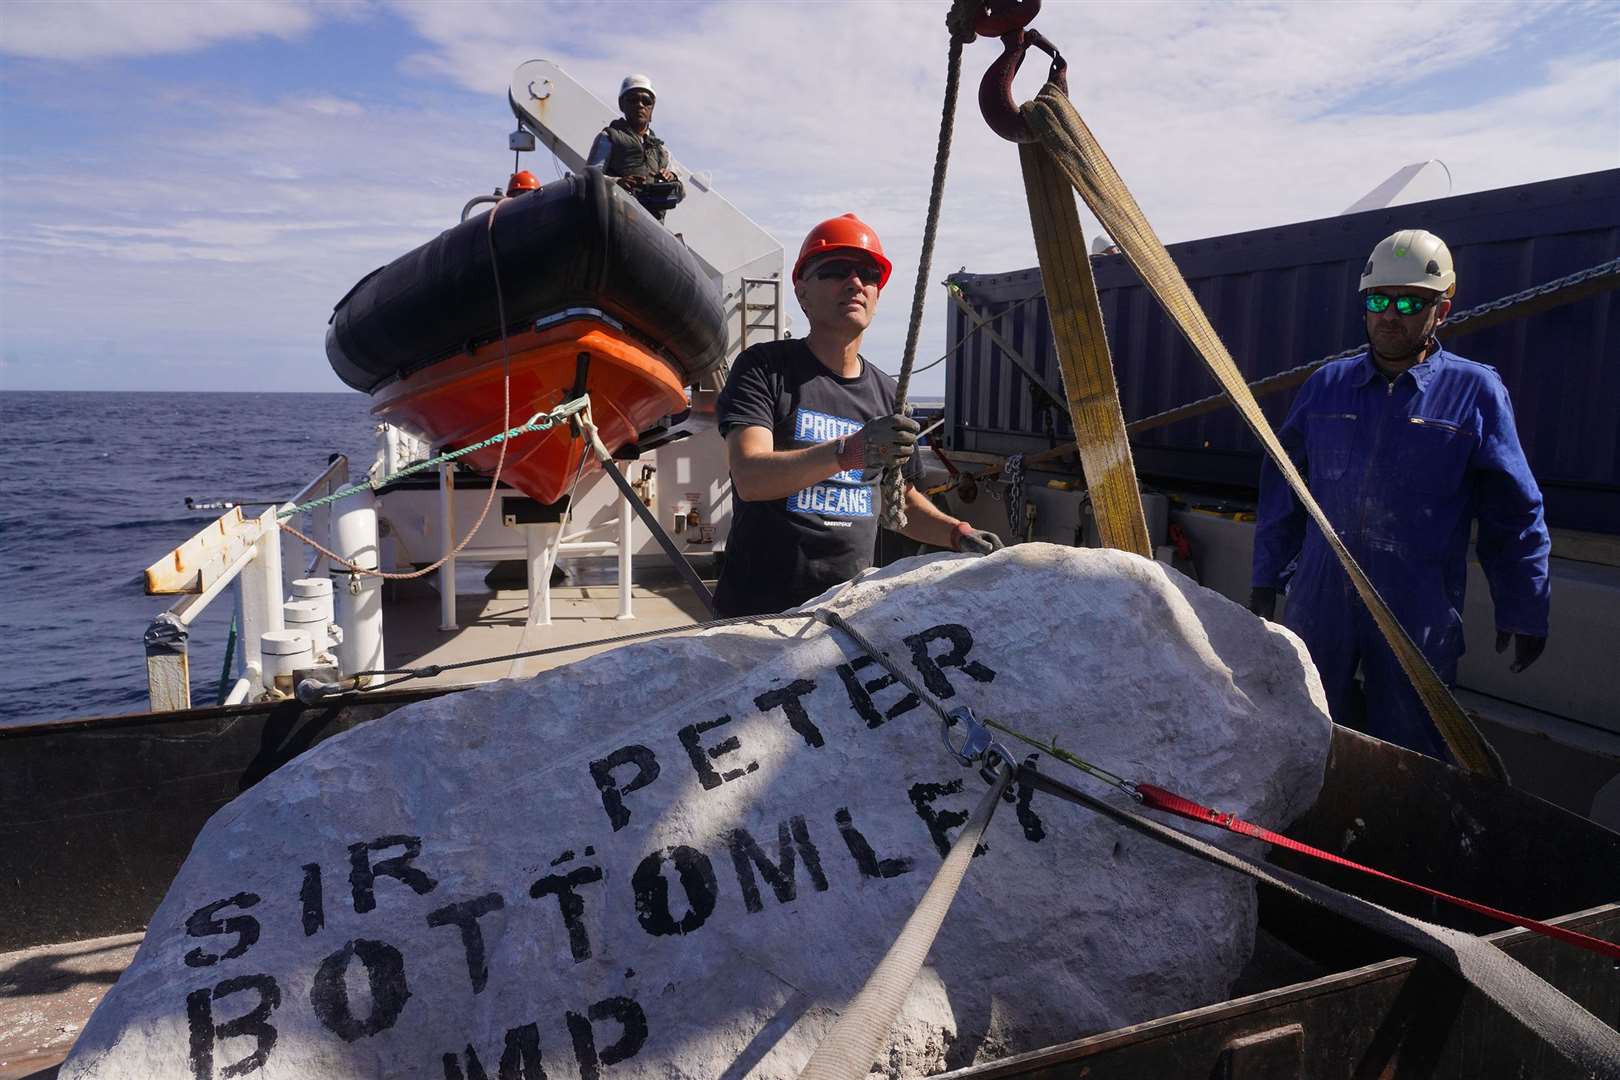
x: 1378, y: 303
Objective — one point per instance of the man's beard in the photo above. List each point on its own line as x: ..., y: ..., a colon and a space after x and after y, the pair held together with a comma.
x: 1416, y: 353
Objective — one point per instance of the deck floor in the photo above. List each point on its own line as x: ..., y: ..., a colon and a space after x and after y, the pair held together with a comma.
x: 47, y: 993
x: 494, y: 624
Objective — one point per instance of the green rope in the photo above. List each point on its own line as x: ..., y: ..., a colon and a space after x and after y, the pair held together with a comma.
x: 537, y: 422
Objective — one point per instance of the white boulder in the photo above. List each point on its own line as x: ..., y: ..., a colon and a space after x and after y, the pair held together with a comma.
x: 680, y: 858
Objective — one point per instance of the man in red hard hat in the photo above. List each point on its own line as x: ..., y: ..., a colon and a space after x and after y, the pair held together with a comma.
x: 521, y: 182
x: 809, y: 426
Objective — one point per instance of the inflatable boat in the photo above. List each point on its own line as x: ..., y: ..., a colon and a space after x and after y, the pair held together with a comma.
x: 599, y: 297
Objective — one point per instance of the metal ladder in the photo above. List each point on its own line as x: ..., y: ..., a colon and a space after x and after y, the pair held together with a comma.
x: 774, y: 320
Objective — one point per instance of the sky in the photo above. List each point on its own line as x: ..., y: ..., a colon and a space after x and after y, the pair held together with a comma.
x: 187, y: 188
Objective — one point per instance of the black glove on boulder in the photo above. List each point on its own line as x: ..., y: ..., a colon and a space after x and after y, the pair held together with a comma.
x: 1263, y: 602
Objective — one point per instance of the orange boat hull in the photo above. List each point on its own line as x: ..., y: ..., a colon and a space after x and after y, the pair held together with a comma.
x: 458, y: 402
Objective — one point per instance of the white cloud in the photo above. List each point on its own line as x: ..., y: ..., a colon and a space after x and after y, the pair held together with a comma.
x: 1221, y: 118
x: 91, y: 29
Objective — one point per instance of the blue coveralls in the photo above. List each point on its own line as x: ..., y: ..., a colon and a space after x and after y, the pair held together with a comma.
x: 1402, y: 470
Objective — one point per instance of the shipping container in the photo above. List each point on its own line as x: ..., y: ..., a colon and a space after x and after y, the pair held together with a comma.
x: 1284, y: 296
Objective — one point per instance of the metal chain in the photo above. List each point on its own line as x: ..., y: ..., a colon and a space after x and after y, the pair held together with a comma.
x: 1600, y: 270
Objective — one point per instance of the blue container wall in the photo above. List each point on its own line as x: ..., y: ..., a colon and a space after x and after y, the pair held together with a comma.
x: 1285, y: 296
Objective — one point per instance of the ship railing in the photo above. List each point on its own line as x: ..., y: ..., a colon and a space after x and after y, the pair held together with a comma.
x: 544, y: 542
x: 244, y: 552
x: 398, y: 448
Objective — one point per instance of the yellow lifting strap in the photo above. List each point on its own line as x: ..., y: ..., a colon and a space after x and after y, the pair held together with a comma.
x: 1082, y: 350
x: 1071, y: 147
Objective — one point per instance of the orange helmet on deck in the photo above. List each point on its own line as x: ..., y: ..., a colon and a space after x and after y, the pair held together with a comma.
x: 521, y: 182
x: 844, y: 233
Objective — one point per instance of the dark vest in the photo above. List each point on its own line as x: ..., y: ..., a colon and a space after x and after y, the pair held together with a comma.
x: 632, y: 154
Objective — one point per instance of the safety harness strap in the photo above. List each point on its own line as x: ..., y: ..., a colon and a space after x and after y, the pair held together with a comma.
x: 1553, y: 1016
x: 1082, y: 350
x: 1073, y: 148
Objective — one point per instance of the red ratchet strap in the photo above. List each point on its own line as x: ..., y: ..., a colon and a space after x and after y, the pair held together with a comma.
x: 943, y: 460
x: 1160, y: 799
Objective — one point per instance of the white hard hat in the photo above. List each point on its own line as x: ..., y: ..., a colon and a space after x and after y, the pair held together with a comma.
x: 636, y: 82
x: 1413, y: 258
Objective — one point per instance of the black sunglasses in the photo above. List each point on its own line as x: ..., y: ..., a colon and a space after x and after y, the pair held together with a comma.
x: 838, y: 270
x: 1378, y: 303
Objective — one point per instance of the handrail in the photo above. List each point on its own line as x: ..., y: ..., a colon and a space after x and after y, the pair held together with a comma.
x: 337, y: 463
x: 319, y: 520
x: 260, y: 595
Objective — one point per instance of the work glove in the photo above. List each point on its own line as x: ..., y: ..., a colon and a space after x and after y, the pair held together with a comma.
x: 973, y: 541
x: 1263, y: 602
x: 888, y: 440
x: 1526, y: 648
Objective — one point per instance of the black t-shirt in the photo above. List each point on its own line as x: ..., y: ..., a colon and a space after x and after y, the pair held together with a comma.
x: 782, y: 552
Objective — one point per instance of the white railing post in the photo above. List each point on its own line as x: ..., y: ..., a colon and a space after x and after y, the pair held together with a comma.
x: 246, y: 553
x: 541, y: 544
x: 357, y: 598
x: 627, y: 525
x: 320, y: 519
x: 447, y: 540
x: 261, y: 595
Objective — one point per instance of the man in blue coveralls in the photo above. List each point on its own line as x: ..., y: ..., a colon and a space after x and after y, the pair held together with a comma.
x: 1404, y: 447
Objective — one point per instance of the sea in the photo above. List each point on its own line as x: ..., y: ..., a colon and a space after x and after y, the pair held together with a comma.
x: 93, y: 490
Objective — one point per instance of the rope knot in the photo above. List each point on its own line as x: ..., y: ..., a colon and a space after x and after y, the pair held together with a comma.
x: 960, y: 19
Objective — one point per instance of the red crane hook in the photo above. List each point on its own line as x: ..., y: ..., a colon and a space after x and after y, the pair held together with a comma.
x: 1006, y: 19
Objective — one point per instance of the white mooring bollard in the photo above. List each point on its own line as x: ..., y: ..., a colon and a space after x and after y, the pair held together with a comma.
x: 284, y: 652
x: 307, y: 617
x: 316, y: 590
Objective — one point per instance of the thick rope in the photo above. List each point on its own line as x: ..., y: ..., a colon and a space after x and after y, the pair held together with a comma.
x: 892, y: 485
x: 539, y: 422
x: 500, y: 462
x: 1076, y: 151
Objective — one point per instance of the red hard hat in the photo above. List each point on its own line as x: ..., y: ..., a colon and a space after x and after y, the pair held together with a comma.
x: 522, y: 181
x: 845, y: 233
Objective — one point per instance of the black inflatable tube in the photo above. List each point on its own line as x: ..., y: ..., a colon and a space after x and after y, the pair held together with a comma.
x: 578, y: 242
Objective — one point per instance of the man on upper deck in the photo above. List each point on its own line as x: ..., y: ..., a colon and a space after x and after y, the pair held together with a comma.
x: 809, y: 426
x: 1405, y: 447
x: 628, y: 150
